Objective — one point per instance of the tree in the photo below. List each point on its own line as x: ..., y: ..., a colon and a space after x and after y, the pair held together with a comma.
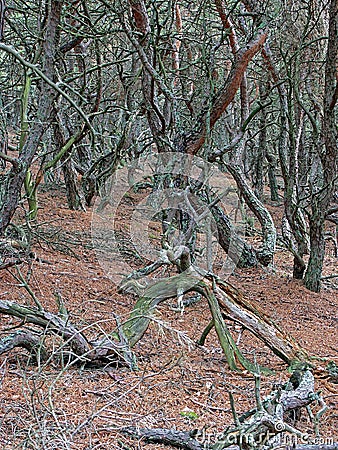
x: 322, y: 196
x: 183, y: 105
x: 13, y: 179
x: 177, y: 128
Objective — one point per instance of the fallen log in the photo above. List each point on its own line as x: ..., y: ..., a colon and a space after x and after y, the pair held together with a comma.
x: 186, y: 440
x: 180, y: 439
x: 25, y: 339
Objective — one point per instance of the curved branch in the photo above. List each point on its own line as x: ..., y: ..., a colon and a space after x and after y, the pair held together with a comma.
x: 227, y: 94
x: 11, y: 50
x: 14, y: 161
x: 105, y: 350
x: 239, y: 136
x: 26, y: 340
x: 220, y: 6
x: 44, y: 319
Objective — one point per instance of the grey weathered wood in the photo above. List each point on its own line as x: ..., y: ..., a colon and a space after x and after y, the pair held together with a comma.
x: 24, y: 339
x: 95, y: 352
x: 185, y: 439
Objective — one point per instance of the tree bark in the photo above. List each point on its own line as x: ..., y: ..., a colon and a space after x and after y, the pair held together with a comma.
x: 14, y: 178
x: 238, y: 250
x: 313, y: 273
x: 260, y: 154
x: 266, y: 254
x: 321, y: 200
x: 24, y: 339
x: 196, y: 138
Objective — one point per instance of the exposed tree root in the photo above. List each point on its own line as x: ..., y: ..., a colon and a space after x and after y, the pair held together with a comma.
x: 225, y: 301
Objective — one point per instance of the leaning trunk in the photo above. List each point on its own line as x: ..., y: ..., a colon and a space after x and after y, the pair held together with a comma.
x: 266, y: 254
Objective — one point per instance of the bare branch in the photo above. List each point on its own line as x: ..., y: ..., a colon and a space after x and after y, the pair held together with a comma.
x: 10, y: 159
x: 11, y: 50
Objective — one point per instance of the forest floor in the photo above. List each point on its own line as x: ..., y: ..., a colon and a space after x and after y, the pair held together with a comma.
x: 179, y: 384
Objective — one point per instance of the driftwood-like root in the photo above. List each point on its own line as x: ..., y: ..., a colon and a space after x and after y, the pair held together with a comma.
x: 225, y: 302
x: 184, y: 440
x: 180, y: 439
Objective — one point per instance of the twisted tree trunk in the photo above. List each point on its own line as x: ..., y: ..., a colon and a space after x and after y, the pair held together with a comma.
x: 225, y: 301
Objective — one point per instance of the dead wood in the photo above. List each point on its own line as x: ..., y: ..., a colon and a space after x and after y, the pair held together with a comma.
x: 225, y: 301
x: 44, y: 319
x: 101, y: 351
x: 12, y: 253
x: 264, y: 429
x: 184, y: 440
x: 25, y: 339
x: 180, y: 439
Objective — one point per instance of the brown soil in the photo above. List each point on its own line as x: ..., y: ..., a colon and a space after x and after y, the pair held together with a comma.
x: 78, y: 408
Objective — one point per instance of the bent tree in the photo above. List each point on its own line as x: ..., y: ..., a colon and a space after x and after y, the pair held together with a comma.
x: 189, y: 94
x: 115, y: 81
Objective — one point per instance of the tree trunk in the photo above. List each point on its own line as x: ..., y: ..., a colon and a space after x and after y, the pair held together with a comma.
x: 321, y: 200
x: 232, y: 305
x: 266, y: 254
x: 272, y: 164
x: 260, y: 154
x: 293, y: 215
x: 239, y: 251
x: 74, y: 196
x: 234, y: 245
x: 317, y: 240
x: 14, y: 178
